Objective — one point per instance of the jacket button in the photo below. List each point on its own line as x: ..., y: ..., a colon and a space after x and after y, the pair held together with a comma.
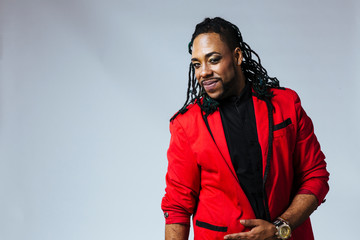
x: 166, y: 214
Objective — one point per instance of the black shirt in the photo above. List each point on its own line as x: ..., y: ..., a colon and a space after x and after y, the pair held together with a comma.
x: 238, y: 118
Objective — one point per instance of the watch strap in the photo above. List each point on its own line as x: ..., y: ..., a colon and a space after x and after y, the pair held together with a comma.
x: 279, y: 224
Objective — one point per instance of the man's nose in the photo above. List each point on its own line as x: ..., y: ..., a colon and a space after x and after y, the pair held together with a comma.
x: 205, y: 71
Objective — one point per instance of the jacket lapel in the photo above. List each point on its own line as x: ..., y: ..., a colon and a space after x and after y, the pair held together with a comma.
x: 217, y: 130
x: 262, y: 127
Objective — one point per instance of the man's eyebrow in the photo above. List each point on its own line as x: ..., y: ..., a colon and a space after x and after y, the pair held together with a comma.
x: 206, y: 56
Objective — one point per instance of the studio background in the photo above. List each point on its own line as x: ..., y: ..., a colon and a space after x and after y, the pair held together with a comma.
x: 87, y: 89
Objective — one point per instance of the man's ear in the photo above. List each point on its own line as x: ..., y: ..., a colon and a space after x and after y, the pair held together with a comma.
x: 238, y: 56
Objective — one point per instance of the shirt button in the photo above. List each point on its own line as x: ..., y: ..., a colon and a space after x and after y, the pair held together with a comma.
x: 166, y: 214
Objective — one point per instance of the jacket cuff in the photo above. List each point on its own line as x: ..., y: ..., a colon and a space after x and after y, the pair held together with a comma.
x: 172, y: 217
x: 319, y: 190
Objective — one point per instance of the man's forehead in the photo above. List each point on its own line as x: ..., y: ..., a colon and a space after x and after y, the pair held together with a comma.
x: 206, y: 43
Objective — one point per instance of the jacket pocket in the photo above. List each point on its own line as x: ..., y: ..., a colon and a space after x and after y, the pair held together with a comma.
x: 210, y: 226
x: 282, y: 128
x: 284, y: 124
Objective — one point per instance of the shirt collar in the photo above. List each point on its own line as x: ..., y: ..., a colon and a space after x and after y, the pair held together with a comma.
x: 244, y: 95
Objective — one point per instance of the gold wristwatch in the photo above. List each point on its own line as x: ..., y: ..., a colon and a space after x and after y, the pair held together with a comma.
x: 283, y: 228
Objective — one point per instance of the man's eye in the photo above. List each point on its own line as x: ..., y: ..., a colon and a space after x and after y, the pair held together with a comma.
x: 196, y: 65
x: 215, y: 60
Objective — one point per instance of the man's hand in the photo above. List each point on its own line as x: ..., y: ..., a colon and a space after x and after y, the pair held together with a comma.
x: 260, y: 230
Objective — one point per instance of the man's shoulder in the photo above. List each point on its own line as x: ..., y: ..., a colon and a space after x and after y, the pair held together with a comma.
x: 284, y: 94
x: 283, y: 91
x: 189, y: 122
x: 191, y: 114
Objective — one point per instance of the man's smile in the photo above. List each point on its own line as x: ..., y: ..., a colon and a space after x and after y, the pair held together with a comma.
x: 210, y: 84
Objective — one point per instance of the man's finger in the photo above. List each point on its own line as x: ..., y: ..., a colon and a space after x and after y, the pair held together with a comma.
x: 250, y: 222
x: 234, y: 236
x: 241, y: 235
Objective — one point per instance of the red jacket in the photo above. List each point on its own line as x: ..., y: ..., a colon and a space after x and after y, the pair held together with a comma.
x: 201, y: 180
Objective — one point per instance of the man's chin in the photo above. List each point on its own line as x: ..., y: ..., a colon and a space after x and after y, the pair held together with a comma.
x: 215, y: 95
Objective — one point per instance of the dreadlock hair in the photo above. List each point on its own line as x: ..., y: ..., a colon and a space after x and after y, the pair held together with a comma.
x: 254, y: 72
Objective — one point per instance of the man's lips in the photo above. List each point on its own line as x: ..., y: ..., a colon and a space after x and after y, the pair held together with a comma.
x: 209, y: 84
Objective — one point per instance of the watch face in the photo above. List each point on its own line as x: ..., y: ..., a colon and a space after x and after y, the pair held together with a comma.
x: 284, y: 232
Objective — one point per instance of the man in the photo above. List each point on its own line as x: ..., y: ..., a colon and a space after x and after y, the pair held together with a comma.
x: 243, y: 157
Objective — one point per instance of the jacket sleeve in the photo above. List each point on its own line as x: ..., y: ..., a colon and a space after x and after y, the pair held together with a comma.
x: 309, y: 161
x: 182, y: 178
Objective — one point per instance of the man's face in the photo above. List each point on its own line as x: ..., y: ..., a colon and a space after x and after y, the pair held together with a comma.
x: 215, y: 66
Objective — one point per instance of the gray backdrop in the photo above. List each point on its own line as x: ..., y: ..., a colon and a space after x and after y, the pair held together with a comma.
x: 87, y: 89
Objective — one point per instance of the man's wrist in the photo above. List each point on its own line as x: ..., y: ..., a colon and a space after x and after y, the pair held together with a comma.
x: 283, y: 228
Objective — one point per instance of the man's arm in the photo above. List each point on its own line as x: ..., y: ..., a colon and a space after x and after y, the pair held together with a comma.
x: 176, y: 232
x: 299, y: 210
x: 182, y: 185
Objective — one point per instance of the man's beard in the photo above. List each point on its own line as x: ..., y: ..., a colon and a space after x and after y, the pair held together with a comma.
x: 229, y: 88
